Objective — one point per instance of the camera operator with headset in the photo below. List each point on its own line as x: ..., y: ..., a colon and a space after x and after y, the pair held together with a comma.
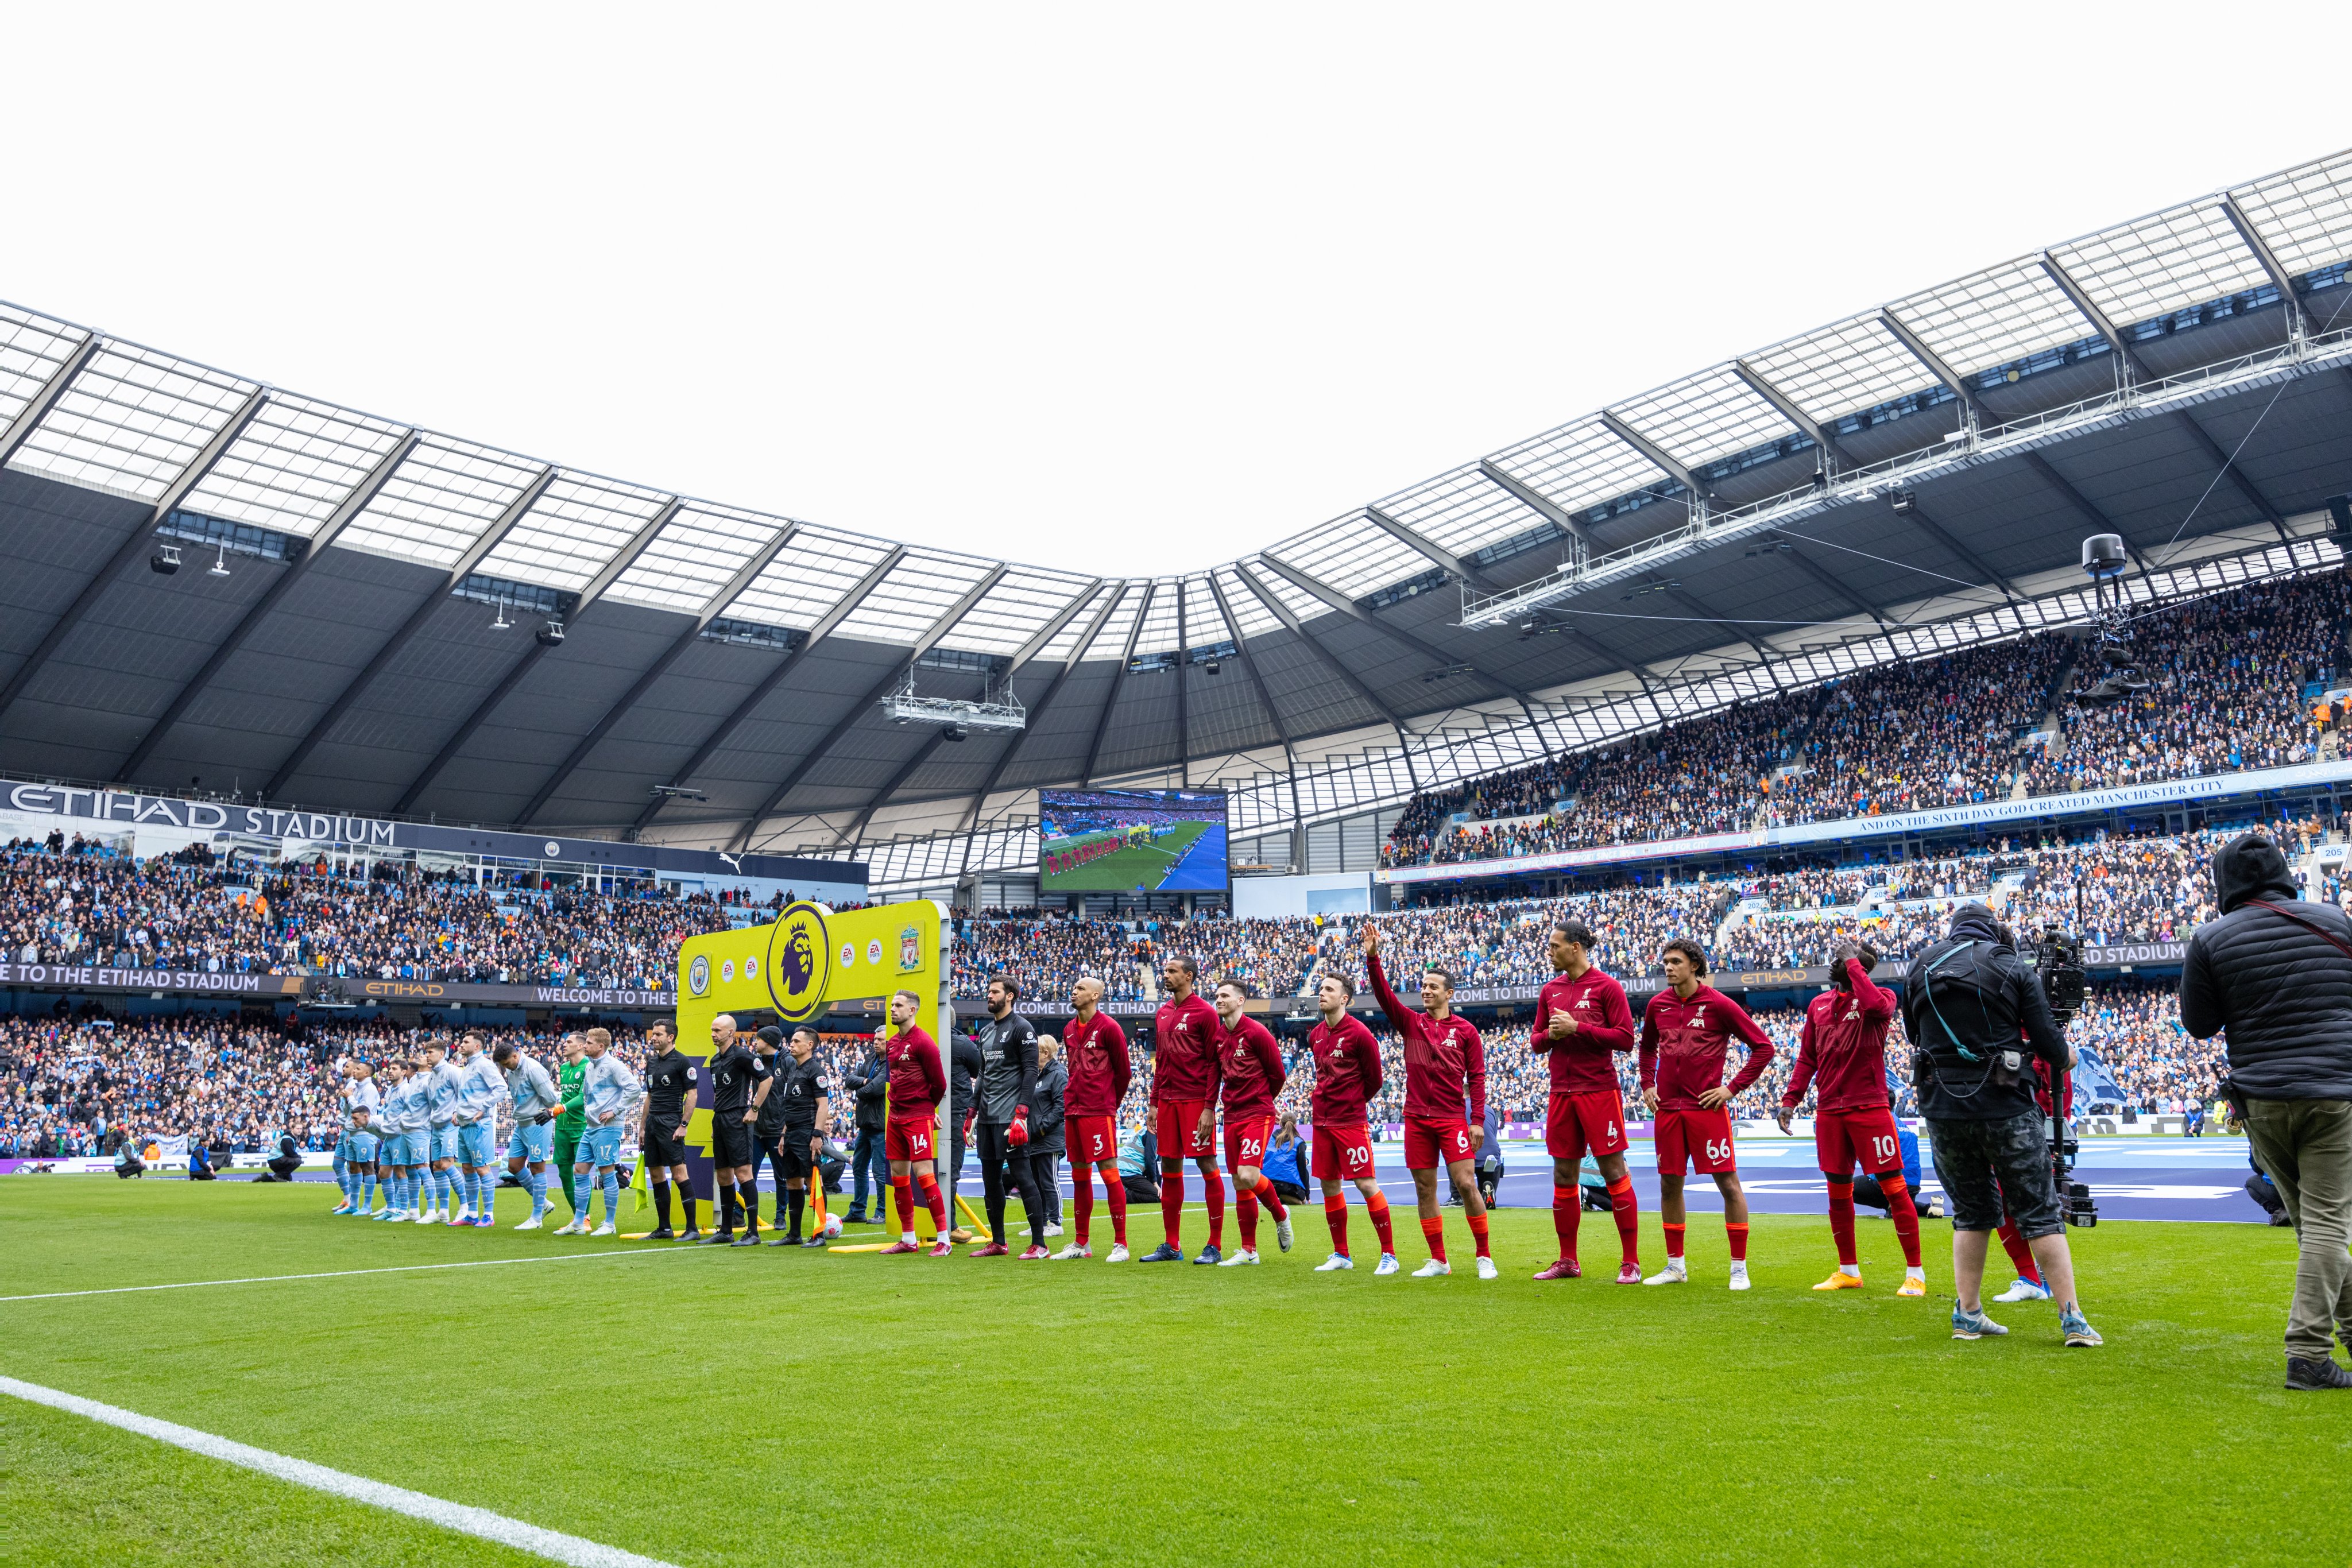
x: 1976, y: 1018
x: 2276, y: 973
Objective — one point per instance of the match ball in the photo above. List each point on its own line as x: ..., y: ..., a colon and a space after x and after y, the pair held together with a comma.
x: 832, y: 1227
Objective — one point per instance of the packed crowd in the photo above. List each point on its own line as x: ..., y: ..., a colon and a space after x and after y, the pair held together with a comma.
x: 2224, y: 681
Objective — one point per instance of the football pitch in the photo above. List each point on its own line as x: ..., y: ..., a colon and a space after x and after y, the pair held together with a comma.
x: 1122, y: 869
x: 704, y: 1405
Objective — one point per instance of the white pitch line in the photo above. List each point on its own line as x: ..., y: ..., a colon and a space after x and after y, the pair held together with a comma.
x: 344, y: 1273
x: 480, y: 1522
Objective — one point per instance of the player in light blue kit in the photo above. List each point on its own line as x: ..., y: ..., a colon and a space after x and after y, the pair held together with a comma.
x: 402, y: 1110
x: 480, y: 1087
x: 536, y: 1102
x: 356, y: 1149
x: 441, y: 1081
x: 607, y: 1092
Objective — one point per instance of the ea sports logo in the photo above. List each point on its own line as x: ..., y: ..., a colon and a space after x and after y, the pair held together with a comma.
x: 799, y: 959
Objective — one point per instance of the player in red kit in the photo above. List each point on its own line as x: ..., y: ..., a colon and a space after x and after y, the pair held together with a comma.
x: 1249, y: 1074
x: 1687, y: 1034
x: 1443, y: 1057
x: 916, y: 1081
x: 1096, y: 1048
x: 1841, y: 1055
x: 1184, y: 1057
x: 1347, y: 1075
x: 1583, y: 1021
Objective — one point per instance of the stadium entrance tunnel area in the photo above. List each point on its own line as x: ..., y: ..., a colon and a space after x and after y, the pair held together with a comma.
x: 702, y: 1405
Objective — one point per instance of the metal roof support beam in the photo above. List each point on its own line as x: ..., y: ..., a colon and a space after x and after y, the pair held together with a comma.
x: 351, y: 506
x: 1118, y: 681
x: 2082, y: 505
x: 1936, y: 531
x: 532, y: 655
x: 1673, y: 465
x: 1836, y: 585
x: 29, y: 418
x: 1331, y: 661
x: 1698, y: 607
x: 759, y: 694
x: 883, y: 688
x: 1183, y: 708
x: 659, y: 667
x: 2235, y: 475
x: 1536, y: 501
x: 2298, y: 325
x: 1013, y: 746
x: 2081, y: 302
x: 1249, y: 667
x: 897, y: 780
x: 1894, y: 328
x: 482, y: 546
x: 140, y: 540
x: 1438, y: 658
x: 1821, y: 433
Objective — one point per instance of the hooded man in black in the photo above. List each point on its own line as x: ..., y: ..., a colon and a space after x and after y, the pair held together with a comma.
x: 2276, y: 973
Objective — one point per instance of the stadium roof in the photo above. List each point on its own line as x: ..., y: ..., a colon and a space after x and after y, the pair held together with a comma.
x: 352, y: 622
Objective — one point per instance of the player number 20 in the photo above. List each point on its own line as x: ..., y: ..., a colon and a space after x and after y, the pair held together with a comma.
x: 1359, y: 1158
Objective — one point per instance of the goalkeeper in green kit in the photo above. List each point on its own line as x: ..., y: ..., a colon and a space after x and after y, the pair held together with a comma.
x: 572, y: 1120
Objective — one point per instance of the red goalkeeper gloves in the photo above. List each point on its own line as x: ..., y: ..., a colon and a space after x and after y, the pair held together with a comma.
x: 1020, y: 1132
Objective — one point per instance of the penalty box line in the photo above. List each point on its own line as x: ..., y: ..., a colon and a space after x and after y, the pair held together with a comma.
x: 345, y: 1273
x: 478, y: 1522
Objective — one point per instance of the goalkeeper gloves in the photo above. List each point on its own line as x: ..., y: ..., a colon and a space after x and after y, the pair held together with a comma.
x: 1020, y: 1132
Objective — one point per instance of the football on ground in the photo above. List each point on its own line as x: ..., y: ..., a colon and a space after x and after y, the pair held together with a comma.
x: 703, y: 1406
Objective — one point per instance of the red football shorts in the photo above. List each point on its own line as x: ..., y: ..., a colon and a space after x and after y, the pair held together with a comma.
x: 1093, y: 1140
x: 1844, y: 1139
x: 1431, y: 1143
x: 1701, y: 1137
x: 1343, y: 1154
x: 1591, y: 1123
x: 909, y: 1139
x: 1179, y: 1131
x: 1245, y: 1141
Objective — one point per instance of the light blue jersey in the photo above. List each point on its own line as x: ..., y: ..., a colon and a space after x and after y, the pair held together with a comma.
x: 480, y: 1087
x: 360, y: 1095
x: 607, y: 1089
x: 440, y: 1094
x: 530, y: 1089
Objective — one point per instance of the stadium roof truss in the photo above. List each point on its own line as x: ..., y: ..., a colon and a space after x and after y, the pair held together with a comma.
x: 1918, y: 470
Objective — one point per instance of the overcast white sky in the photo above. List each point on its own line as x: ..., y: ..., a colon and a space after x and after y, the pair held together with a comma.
x: 1127, y: 288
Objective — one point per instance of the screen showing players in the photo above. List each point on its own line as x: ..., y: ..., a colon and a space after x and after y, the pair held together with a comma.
x: 1130, y: 840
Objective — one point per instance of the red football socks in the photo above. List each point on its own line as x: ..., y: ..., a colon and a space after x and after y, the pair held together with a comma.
x: 1378, y: 1207
x: 1266, y: 1194
x: 1335, y: 1213
x: 933, y: 1200
x: 1248, y: 1207
x: 1215, y: 1186
x: 902, y: 1191
x: 2013, y: 1242
x: 1567, y: 1208
x: 1435, y: 1231
x: 1171, y: 1207
x: 1117, y: 1188
x: 1082, y: 1198
x: 1675, y: 1241
x: 1906, y: 1218
x: 1478, y: 1233
x: 1738, y: 1236
x: 1626, y: 1209
x: 1842, y: 1223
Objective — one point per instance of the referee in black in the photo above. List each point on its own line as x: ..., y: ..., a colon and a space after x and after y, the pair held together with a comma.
x: 739, y: 1084
x: 669, y: 1105
x: 800, y: 1143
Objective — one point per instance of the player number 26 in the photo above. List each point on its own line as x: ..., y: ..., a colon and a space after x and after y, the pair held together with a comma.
x: 1252, y: 1148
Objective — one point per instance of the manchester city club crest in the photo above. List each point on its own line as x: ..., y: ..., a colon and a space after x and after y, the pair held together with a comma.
x: 698, y: 975
x: 799, y: 961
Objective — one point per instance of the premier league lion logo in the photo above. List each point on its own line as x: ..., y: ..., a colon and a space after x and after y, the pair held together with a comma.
x: 798, y: 962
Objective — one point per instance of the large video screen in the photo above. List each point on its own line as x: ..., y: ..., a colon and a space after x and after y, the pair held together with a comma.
x: 1130, y: 840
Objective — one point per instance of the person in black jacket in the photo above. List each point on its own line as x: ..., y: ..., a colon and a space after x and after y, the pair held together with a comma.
x: 1008, y: 1100
x: 869, y: 1083
x: 2277, y: 974
x: 1046, y: 1142
x: 963, y: 1065
x: 1980, y: 1019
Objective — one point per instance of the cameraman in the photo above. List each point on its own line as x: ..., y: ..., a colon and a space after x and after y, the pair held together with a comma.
x: 2277, y: 974
x: 1969, y: 1007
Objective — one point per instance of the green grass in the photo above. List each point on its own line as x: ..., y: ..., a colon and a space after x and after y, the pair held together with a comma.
x: 1122, y: 869
x: 711, y: 1405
